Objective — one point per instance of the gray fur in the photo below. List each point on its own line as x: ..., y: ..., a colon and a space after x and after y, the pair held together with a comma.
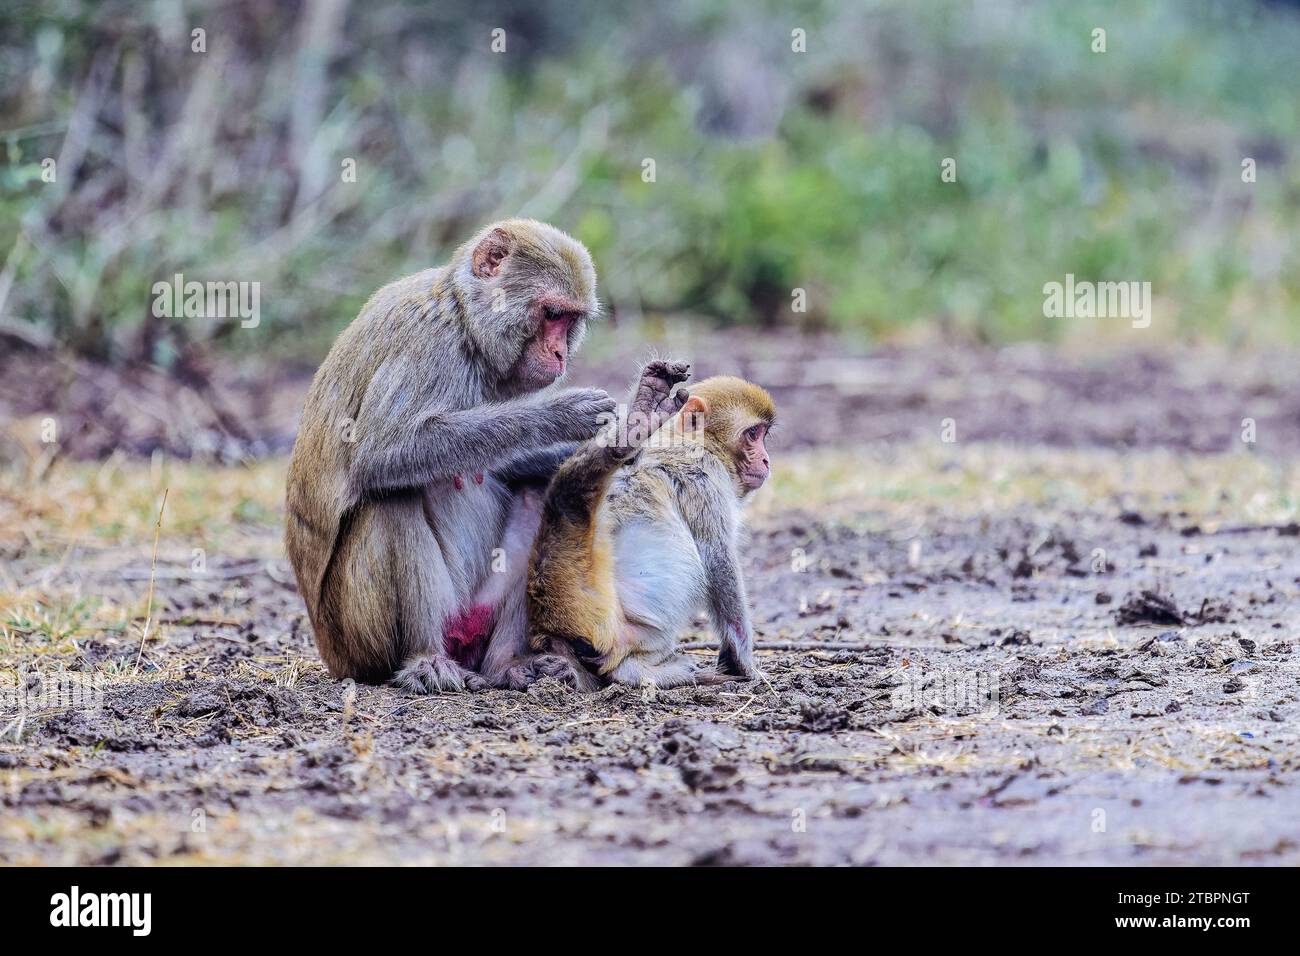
x: 422, y: 388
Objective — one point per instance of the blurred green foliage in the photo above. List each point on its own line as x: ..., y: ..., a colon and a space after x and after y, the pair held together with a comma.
x: 774, y: 170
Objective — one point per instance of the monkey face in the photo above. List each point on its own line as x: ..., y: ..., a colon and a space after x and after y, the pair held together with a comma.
x: 539, y: 286
x: 752, y: 462
x: 557, y: 321
x: 735, y: 418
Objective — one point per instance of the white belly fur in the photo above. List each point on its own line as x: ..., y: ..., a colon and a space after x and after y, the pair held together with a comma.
x: 660, y: 575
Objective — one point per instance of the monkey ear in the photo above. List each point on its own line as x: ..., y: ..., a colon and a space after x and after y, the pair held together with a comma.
x: 695, y: 413
x: 491, y: 249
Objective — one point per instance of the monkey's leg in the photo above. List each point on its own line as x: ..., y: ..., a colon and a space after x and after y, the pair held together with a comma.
x: 396, y: 592
x: 572, y: 601
x: 356, y: 637
x: 571, y: 590
x: 508, y: 661
x: 512, y: 664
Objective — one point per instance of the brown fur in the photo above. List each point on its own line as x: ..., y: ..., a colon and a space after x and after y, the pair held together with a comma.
x: 669, y: 511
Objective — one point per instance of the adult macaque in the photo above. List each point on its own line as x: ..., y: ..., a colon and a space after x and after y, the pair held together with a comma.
x: 637, y: 536
x: 394, y: 510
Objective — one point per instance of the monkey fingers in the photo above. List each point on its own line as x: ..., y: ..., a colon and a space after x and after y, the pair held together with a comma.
x: 655, y: 385
x: 654, y: 399
x: 435, y: 673
x: 523, y: 675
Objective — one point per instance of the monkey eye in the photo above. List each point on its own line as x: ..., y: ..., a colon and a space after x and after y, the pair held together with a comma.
x: 755, y: 432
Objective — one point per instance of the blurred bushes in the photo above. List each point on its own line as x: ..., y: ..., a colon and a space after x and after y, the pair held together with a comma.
x: 773, y: 170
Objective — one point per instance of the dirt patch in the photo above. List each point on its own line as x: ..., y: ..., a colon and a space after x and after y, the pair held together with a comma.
x: 1018, y: 655
x: 993, y: 710
x: 1149, y: 607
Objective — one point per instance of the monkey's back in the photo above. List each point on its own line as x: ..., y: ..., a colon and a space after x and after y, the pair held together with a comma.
x: 360, y: 392
x: 652, y: 510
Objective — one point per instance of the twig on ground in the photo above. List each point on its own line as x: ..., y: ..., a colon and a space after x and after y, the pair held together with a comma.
x: 148, y: 613
x: 247, y: 569
x: 789, y: 646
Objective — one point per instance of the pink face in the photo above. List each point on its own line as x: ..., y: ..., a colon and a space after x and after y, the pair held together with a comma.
x: 752, y: 453
x: 546, y: 357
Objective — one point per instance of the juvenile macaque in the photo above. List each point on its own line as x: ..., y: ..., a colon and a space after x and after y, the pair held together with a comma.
x: 637, y: 536
x: 396, y: 500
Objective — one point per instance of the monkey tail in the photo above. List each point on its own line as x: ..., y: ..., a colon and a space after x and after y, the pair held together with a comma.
x: 571, y: 588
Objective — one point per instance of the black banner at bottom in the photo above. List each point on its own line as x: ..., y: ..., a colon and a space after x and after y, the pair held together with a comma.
x: 341, y: 906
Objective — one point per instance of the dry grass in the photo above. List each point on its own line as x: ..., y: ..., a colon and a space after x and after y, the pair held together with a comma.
x: 76, y: 512
x: 116, y: 503
x: 985, y: 479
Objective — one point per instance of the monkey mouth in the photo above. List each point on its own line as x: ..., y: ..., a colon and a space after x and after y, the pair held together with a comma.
x: 552, y: 370
x: 540, y: 376
x: 753, y: 480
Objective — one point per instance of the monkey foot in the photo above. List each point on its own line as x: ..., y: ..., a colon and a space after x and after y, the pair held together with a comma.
x: 433, y: 673
x: 530, y: 671
x: 731, y: 667
x: 654, y: 389
x: 654, y: 400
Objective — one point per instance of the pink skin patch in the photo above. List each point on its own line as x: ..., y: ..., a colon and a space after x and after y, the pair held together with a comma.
x: 460, y: 483
x: 757, y: 465
x: 464, y: 635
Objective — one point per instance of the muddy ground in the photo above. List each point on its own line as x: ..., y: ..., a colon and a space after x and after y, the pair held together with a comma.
x: 1066, y: 637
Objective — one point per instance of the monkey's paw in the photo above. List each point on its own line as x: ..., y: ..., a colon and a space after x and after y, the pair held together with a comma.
x: 433, y: 674
x: 731, y: 667
x: 654, y: 389
x: 530, y: 671
x: 708, y: 676
x: 579, y: 413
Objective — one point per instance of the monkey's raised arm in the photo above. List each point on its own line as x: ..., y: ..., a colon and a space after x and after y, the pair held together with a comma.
x: 445, y: 443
